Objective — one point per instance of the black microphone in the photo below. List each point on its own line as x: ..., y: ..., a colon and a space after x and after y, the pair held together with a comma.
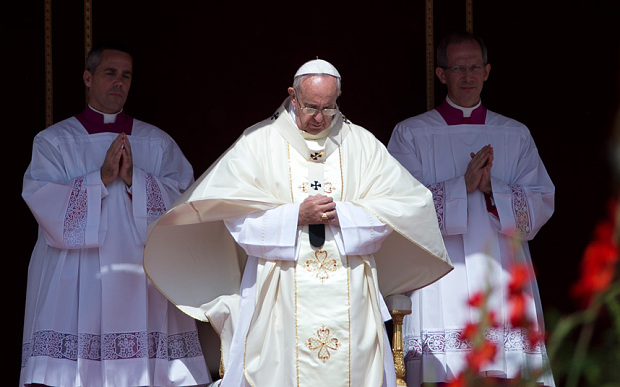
x: 316, y: 233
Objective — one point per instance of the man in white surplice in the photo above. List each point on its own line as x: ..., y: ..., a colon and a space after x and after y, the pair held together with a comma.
x: 327, y: 222
x: 94, y: 183
x: 492, y: 194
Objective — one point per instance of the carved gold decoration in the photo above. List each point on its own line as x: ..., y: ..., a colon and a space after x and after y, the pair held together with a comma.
x: 88, y: 31
x: 430, y: 53
x: 430, y: 46
x: 469, y: 16
x: 397, y: 344
x: 49, y: 81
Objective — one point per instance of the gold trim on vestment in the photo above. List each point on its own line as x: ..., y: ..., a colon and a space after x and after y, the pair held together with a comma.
x: 222, y: 368
x: 349, y: 301
x: 296, y: 328
x: 49, y: 82
x: 469, y: 16
x: 430, y: 53
x: 88, y: 32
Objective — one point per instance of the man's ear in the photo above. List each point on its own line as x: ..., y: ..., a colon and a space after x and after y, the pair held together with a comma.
x: 291, y: 93
x: 441, y: 74
x: 487, y: 70
x: 87, y: 76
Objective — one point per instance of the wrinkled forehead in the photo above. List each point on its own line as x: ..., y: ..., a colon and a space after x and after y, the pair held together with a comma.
x: 318, y: 85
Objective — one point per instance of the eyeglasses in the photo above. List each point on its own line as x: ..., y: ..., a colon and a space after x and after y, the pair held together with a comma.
x: 313, y: 112
x: 476, y: 69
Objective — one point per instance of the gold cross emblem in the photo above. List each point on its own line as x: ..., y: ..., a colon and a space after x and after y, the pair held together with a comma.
x: 323, y: 342
x: 322, y: 265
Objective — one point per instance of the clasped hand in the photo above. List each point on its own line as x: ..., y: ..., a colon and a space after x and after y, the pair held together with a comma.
x: 478, y: 174
x: 118, y: 161
x: 311, y: 211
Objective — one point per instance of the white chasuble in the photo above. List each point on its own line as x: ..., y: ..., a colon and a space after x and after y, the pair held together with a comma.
x: 307, y: 316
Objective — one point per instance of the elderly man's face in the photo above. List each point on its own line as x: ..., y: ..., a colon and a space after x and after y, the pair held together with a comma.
x: 465, y: 74
x: 318, y: 92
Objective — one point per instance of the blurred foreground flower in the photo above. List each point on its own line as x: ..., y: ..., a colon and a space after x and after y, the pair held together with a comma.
x: 598, y: 266
x: 575, y: 359
x: 583, y: 358
x: 483, y: 349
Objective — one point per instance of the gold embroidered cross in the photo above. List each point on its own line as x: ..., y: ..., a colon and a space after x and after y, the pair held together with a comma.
x: 323, y: 343
x: 321, y: 265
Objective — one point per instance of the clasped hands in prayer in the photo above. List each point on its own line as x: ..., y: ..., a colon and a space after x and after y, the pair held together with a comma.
x: 311, y: 211
x: 478, y: 173
x: 118, y: 162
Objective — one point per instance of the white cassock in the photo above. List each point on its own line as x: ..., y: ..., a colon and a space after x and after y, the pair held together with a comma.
x: 481, y: 245
x: 298, y: 315
x: 92, y: 317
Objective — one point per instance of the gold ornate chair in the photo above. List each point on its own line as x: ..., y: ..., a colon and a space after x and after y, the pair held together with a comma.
x: 399, y: 306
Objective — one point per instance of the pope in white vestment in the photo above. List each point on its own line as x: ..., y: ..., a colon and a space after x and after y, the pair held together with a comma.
x: 92, y: 317
x: 231, y: 252
x: 484, y: 235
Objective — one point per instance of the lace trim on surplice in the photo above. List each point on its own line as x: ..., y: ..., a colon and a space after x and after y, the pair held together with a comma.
x: 439, y: 199
x: 520, y: 210
x: 155, y: 206
x: 75, y: 218
x: 112, y: 346
x: 443, y: 342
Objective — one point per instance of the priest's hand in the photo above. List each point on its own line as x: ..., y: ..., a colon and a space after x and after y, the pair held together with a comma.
x: 317, y: 209
x: 478, y: 173
x: 126, y: 168
x: 118, y: 161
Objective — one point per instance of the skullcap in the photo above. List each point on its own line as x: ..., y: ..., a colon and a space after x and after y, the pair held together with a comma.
x: 317, y: 66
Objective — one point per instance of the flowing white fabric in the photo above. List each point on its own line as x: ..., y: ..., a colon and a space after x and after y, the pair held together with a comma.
x: 254, y: 186
x: 92, y: 317
x: 481, y: 245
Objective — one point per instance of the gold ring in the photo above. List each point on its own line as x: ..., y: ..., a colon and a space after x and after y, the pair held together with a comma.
x: 324, y: 217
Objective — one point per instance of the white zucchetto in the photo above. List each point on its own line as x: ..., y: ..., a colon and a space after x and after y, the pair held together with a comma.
x: 317, y: 66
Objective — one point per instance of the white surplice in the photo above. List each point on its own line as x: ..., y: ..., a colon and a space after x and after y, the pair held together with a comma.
x: 481, y: 245
x: 92, y: 317
x: 299, y: 315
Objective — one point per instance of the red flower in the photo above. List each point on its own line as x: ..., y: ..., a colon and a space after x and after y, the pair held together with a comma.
x: 481, y: 356
x: 598, y: 266
x: 476, y: 300
x: 535, y: 337
x: 458, y: 382
x: 519, y: 278
x: 517, y: 310
x: 470, y: 330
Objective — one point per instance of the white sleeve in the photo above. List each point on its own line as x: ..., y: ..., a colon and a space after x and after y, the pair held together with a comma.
x: 360, y: 232
x: 270, y: 234
x: 68, y: 210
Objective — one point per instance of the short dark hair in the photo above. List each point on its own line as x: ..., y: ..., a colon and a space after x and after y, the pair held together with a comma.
x: 94, y: 56
x: 458, y: 37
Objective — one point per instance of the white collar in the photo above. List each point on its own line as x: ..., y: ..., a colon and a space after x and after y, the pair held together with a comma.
x: 107, y: 118
x: 466, y: 110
